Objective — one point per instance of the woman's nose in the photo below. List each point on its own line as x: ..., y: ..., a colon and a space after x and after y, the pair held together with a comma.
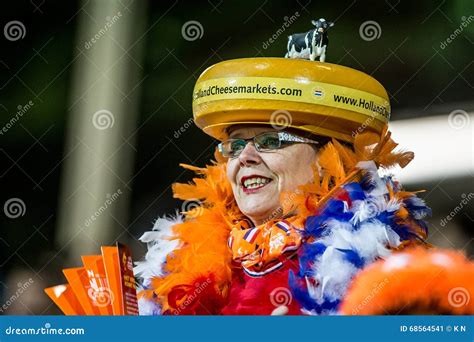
x: 249, y: 155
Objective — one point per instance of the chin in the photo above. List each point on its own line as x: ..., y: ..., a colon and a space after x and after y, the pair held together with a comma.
x: 258, y: 205
x: 253, y: 209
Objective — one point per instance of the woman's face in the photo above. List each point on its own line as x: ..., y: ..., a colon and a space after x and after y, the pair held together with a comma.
x: 258, y: 178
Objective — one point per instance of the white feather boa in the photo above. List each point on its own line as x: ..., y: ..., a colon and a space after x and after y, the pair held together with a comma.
x: 159, y: 246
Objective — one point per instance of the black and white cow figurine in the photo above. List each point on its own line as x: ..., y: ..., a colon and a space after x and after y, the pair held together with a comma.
x: 311, y: 44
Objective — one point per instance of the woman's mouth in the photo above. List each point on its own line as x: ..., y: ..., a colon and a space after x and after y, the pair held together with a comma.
x: 253, y: 183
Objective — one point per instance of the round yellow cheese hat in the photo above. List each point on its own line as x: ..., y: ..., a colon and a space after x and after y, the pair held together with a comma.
x: 321, y: 98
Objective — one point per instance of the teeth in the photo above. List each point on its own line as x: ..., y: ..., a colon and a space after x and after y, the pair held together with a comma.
x: 256, y: 182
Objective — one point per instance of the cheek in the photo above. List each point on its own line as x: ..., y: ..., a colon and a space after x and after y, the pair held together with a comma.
x: 231, y: 170
x: 292, y: 166
x: 277, y: 163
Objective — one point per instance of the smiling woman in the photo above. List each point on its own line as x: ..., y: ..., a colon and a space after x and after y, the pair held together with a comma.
x: 259, y: 177
x: 294, y: 206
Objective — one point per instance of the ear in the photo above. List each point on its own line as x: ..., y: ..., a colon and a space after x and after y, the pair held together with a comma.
x: 331, y: 24
x: 313, y: 22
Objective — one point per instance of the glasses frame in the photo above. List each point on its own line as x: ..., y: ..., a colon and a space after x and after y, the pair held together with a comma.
x: 283, y: 137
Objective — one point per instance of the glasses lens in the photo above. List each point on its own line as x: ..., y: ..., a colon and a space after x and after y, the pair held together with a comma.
x: 268, y: 141
x: 232, y: 147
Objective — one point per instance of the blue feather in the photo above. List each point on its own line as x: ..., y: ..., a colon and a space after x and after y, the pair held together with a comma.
x: 355, y: 191
x: 316, y: 227
x: 353, y: 257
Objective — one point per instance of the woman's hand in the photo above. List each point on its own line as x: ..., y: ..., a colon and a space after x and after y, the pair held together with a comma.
x: 280, y: 311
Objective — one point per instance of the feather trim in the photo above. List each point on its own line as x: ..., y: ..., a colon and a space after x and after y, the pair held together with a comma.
x: 203, y: 258
x: 342, y: 196
x: 355, y: 228
x: 161, y: 241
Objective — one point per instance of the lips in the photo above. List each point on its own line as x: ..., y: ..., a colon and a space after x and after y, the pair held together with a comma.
x: 253, y: 183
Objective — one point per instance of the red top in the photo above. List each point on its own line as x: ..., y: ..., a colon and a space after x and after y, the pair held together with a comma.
x: 261, y: 295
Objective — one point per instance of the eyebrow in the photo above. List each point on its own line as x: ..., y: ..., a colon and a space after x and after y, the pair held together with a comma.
x: 234, y: 135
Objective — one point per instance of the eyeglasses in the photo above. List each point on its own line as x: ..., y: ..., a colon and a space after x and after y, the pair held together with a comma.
x: 263, y: 142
